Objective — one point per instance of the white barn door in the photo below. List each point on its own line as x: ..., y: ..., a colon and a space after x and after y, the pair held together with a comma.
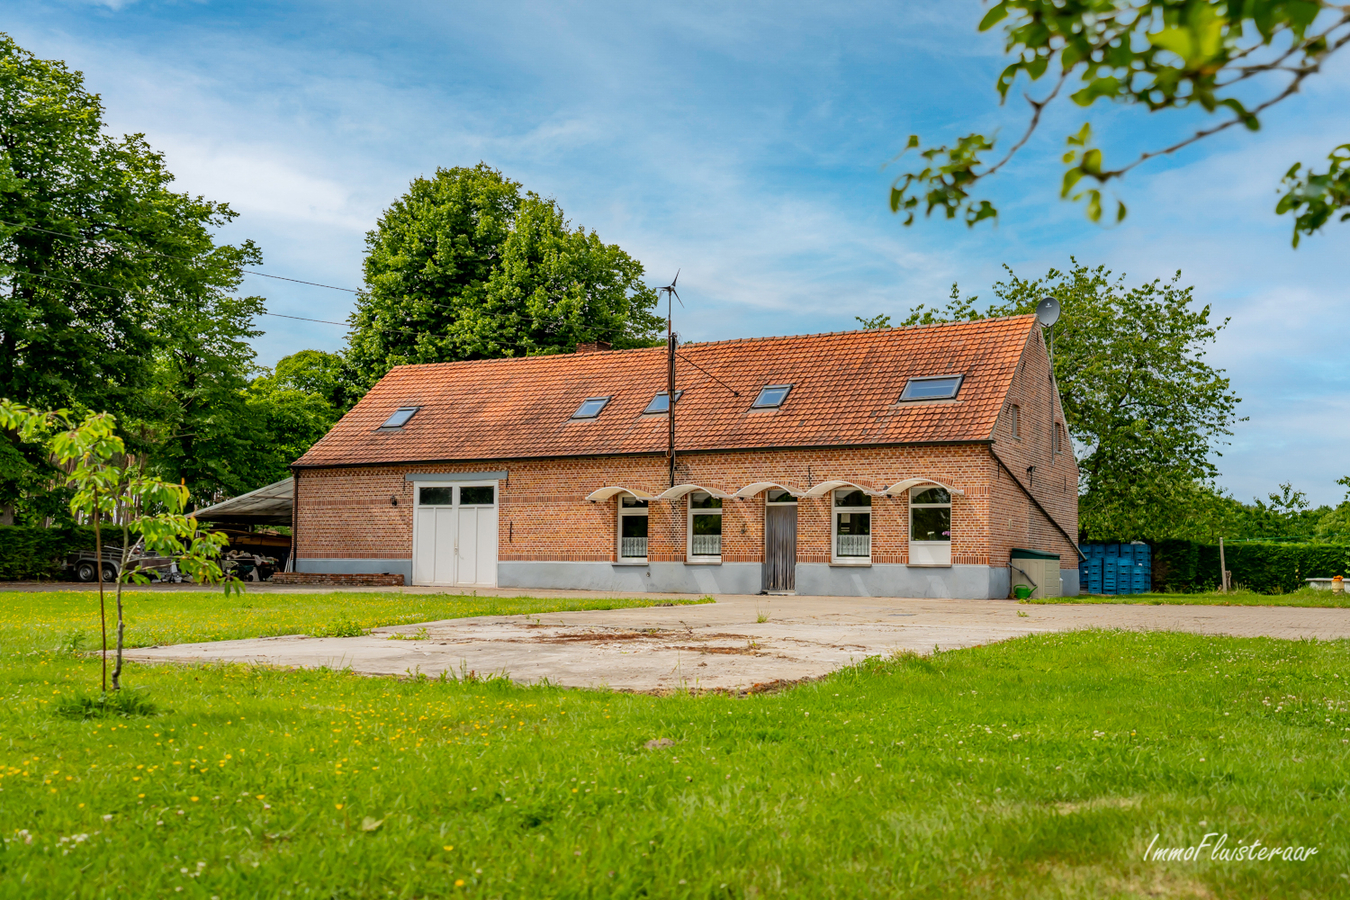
x: 455, y: 535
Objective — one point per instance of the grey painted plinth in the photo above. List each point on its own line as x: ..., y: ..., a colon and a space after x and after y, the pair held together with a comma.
x: 660, y: 577
x: 1069, y: 579
x: 892, y: 580
x: 357, y: 567
x: 813, y: 579
x: 816, y: 579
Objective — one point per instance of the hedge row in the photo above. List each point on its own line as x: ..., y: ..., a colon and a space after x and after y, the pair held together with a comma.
x: 29, y: 553
x: 1187, y: 567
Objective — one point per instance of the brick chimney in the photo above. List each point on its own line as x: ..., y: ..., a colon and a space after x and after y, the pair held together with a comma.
x: 592, y: 346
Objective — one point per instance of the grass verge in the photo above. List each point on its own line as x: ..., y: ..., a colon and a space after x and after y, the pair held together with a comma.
x: 1304, y: 597
x: 1040, y: 767
x: 69, y: 619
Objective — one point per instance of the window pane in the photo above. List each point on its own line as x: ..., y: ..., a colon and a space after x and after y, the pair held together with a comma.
x: 771, y: 396
x: 853, y: 534
x: 778, y: 496
x: 634, y: 527
x: 475, y: 495
x: 661, y: 403
x: 707, y: 523
x: 590, y: 408
x: 401, y: 417
x: 847, y: 497
x: 437, y: 496
x: 932, y: 388
x: 854, y: 523
x: 932, y: 495
x: 706, y: 537
x: 933, y: 523
x: 700, y: 500
x: 631, y: 502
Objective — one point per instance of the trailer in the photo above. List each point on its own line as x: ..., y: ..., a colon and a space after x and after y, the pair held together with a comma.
x: 85, y: 565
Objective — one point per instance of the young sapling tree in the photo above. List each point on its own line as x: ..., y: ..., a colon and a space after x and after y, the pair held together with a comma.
x: 147, y: 510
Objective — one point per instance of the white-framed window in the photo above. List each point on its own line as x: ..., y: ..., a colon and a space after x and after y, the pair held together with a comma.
x: 1014, y: 420
x: 705, y: 527
x: 476, y: 495
x: 852, y: 529
x: 930, y: 526
x: 632, y: 529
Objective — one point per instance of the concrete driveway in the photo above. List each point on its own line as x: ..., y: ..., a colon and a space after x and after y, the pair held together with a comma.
x: 739, y: 643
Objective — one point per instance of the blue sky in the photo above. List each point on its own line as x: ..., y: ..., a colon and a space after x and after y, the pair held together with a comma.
x: 744, y: 144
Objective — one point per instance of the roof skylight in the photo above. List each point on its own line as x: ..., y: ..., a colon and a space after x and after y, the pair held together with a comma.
x: 400, y: 417
x: 936, y: 387
x: 771, y: 396
x: 590, y: 407
x: 661, y: 403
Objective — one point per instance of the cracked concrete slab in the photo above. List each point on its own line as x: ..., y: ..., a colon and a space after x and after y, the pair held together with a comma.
x: 738, y: 643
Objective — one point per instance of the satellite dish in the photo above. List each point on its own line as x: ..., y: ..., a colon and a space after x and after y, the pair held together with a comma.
x: 1047, y: 311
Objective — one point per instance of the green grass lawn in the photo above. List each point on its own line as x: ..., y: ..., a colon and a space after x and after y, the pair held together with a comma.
x: 1303, y: 597
x: 70, y: 618
x: 1041, y: 767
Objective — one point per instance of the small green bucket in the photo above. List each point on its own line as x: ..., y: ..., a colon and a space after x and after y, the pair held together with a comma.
x: 1022, y: 591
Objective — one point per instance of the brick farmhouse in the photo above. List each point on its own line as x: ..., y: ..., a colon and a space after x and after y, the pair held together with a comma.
x: 904, y: 462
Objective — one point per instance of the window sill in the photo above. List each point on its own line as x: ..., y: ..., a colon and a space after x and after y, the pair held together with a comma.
x: 851, y: 564
x: 708, y: 561
x: 928, y: 565
x: 630, y: 562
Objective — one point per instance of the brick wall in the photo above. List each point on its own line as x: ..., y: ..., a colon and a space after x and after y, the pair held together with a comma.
x: 366, y: 512
x: 368, y: 580
x: 348, y: 514
x: 1016, y: 522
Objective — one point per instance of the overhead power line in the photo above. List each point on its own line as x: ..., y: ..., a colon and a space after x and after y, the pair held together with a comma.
x: 69, y: 237
x: 104, y: 287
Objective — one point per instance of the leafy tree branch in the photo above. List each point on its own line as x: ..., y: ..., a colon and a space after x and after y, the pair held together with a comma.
x: 1153, y: 54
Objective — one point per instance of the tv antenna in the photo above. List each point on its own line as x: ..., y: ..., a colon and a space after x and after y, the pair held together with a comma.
x: 671, y: 296
x: 1047, y: 313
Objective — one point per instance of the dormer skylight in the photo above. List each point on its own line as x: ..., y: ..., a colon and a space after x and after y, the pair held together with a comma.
x: 400, y: 417
x: 590, y: 408
x: 936, y: 387
x: 661, y: 403
x: 771, y: 396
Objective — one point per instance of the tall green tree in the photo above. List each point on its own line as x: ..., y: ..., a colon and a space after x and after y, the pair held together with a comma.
x: 312, y: 372
x: 199, y: 431
x: 1148, y: 414
x: 466, y: 265
x: 1227, y: 61
x: 114, y: 294
x: 293, y: 406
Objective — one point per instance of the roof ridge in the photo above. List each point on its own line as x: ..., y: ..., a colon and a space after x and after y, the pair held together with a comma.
x: 722, y: 342
x: 821, y: 334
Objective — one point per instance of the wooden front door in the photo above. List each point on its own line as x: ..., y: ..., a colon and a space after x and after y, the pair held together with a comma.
x: 780, y: 547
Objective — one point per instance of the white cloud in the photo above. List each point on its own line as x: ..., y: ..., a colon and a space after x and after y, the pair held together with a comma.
x: 741, y: 144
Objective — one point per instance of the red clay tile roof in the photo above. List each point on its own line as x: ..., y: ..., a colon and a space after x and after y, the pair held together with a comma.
x: 845, y: 391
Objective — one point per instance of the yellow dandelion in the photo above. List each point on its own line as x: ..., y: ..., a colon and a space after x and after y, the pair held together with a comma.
x: 459, y: 882
x: 448, y: 848
x: 193, y: 799
x: 339, y: 806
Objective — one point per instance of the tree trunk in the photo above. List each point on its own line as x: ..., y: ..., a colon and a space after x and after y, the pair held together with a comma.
x: 121, y: 622
x: 102, y: 611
